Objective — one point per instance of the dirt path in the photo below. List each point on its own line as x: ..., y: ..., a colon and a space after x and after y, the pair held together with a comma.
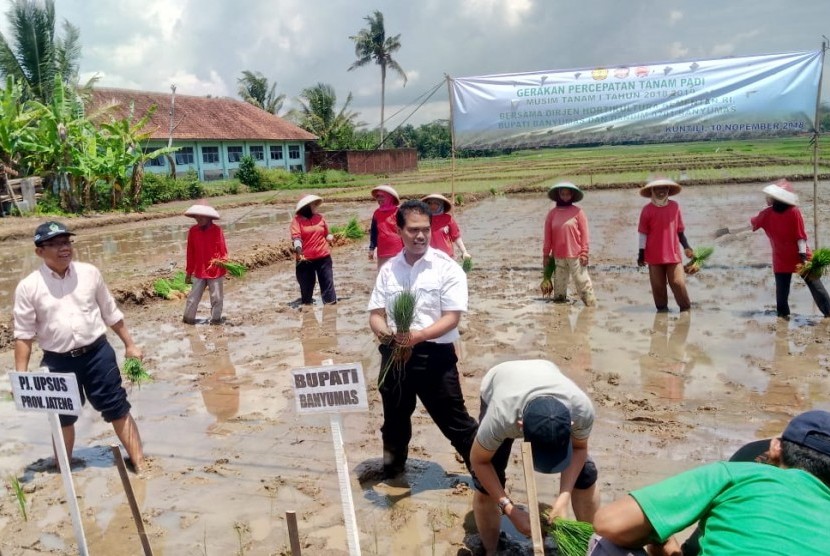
x: 229, y: 455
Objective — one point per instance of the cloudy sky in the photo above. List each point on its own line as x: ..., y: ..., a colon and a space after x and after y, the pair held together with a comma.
x: 203, y: 45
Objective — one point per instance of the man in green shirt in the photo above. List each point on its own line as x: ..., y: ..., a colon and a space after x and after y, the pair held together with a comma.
x: 743, y: 508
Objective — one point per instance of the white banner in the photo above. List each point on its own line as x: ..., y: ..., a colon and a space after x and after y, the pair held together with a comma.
x: 732, y: 98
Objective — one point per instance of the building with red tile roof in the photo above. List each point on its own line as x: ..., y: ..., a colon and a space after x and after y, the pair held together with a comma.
x: 211, y: 133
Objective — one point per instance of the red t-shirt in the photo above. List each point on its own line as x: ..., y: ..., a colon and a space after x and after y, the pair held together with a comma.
x: 444, y: 232
x: 204, y: 245
x: 312, y: 232
x: 661, y: 226
x: 783, y: 229
x: 389, y: 243
x: 566, y: 233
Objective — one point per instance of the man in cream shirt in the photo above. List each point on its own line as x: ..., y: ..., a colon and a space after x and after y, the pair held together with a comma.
x: 67, y: 307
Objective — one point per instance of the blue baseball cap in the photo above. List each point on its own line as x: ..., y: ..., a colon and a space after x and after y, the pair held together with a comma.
x: 48, y: 230
x: 546, y: 424
x: 811, y: 430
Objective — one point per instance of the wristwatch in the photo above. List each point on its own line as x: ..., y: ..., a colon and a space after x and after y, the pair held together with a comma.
x: 504, y: 501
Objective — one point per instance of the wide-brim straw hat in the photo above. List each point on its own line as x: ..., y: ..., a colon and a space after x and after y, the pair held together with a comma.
x: 307, y: 200
x: 674, y: 187
x: 577, y: 195
x: 447, y: 203
x: 202, y: 210
x: 387, y: 189
x: 778, y: 193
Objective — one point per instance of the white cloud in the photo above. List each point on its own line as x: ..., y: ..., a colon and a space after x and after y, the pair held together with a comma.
x: 677, y: 50
x: 675, y: 16
x: 498, y: 12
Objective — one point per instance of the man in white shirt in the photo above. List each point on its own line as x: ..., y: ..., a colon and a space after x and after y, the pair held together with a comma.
x: 531, y: 400
x: 66, y: 305
x: 430, y: 373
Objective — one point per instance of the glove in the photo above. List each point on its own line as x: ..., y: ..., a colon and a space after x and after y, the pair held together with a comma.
x: 298, y: 249
x: 641, y: 257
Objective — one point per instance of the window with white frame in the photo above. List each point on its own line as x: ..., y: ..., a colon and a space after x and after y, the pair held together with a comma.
x: 276, y: 152
x: 210, y: 155
x: 294, y: 152
x: 257, y: 152
x: 153, y: 162
x: 184, y: 156
x: 235, y: 153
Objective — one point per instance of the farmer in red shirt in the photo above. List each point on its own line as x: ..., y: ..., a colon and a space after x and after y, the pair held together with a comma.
x: 566, y: 239
x: 784, y: 225
x: 311, y: 239
x: 660, y: 229
x: 205, y: 242
x: 445, y: 231
x: 383, y: 233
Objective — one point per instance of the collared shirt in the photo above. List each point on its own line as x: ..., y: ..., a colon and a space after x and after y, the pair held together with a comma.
x: 508, y: 387
x: 64, y: 313
x: 439, y: 285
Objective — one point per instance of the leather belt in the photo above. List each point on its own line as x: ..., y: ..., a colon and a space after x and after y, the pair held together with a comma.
x: 77, y: 352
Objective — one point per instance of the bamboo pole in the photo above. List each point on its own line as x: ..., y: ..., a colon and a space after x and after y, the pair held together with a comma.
x: 532, y: 500
x: 816, y: 150
x: 452, y: 141
x: 293, y: 532
x: 128, y: 490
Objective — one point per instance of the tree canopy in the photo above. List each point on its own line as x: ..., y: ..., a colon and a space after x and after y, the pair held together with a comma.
x: 372, y: 45
x: 254, y: 89
x: 32, y: 53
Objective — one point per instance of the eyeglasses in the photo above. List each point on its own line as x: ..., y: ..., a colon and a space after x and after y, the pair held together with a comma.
x: 58, y: 244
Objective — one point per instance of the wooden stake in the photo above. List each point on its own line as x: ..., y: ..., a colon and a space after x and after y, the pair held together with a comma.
x: 293, y: 532
x: 128, y: 490
x: 532, y: 500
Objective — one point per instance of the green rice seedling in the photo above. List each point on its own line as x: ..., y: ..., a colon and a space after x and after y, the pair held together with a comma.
x: 699, y: 257
x: 162, y: 288
x: 403, y: 313
x: 467, y: 264
x: 177, y: 282
x: 135, y: 371
x: 352, y: 230
x: 572, y: 537
x: 20, y: 495
x: 547, y: 276
x: 817, y: 265
x: 235, y: 269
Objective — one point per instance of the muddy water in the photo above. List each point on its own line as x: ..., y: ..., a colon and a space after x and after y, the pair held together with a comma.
x: 229, y: 456
x: 129, y: 251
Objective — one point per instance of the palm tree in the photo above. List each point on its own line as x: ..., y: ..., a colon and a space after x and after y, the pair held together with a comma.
x: 253, y: 88
x: 372, y: 45
x: 318, y: 114
x: 33, y: 55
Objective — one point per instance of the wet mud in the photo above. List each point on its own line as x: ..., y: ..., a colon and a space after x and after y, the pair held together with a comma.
x: 229, y: 455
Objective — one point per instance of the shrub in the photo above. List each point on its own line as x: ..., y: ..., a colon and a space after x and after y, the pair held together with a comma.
x: 159, y: 188
x: 248, y: 175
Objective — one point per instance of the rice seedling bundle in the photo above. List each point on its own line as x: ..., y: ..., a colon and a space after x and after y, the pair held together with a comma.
x: 547, y: 275
x: 467, y: 264
x: 352, y: 230
x: 235, y: 269
x: 572, y: 537
x: 817, y: 265
x: 135, y: 371
x: 699, y: 257
x: 170, y: 288
x: 403, y: 313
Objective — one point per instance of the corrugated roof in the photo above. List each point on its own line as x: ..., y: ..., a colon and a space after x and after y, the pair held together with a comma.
x: 200, y: 118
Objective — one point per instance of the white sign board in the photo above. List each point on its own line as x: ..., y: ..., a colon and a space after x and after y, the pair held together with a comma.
x: 46, y: 392
x: 330, y: 389
x: 730, y: 98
